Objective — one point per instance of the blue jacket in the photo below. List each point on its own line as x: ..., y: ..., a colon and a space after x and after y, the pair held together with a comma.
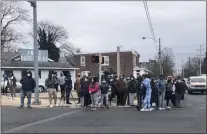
x: 161, y: 85
x: 147, y: 84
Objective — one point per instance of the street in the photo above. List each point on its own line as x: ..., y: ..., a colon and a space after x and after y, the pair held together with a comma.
x: 190, y: 119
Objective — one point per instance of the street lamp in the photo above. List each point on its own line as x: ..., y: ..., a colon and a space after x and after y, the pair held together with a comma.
x: 34, y: 4
x: 160, y: 58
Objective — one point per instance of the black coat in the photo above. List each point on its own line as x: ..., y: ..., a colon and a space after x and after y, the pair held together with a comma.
x: 28, y: 83
x: 68, y: 83
x: 84, y: 88
x: 132, y: 86
x: 178, y: 87
x: 104, y: 88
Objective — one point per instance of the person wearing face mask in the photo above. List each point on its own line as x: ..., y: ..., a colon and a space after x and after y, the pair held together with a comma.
x: 11, y: 85
x: 161, y: 86
x: 51, y: 88
x: 121, y: 86
x: 168, y: 93
x: 132, y: 90
x: 104, y: 87
x: 178, y: 92
x: 113, y: 89
x: 93, y: 91
x: 77, y: 87
x: 28, y: 86
x: 61, y: 82
x: 68, y: 87
x: 85, y: 92
x: 147, y: 98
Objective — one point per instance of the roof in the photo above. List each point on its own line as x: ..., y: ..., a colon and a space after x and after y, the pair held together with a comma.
x: 6, y: 56
x: 7, y: 62
x: 83, y: 53
x: 42, y: 65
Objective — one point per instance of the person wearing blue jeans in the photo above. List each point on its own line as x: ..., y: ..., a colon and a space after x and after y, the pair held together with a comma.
x: 28, y: 86
x: 147, y: 98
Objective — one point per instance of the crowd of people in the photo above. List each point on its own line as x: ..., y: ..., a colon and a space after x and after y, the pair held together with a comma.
x: 147, y: 91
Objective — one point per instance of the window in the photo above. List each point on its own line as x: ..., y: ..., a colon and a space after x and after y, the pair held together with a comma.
x: 24, y: 73
x: 106, y: 60
x: 82, y: 60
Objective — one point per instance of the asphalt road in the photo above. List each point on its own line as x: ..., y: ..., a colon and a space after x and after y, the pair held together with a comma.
x: 190, y: 119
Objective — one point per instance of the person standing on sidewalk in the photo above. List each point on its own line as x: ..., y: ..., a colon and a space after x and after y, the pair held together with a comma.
x: 94, y: 91
x: 61, y: 82
x: 11, y: 85
x: 161, y: 89
x: 132, y: 90
x: 55, y: 77
x: 104, y: 87
x: 147, y: 98
x: 50, y: 83
x: 77, y: 88
x: 178, y: 92
x: 168, y: 92
x: 68, y: 87
x: 28, y: 86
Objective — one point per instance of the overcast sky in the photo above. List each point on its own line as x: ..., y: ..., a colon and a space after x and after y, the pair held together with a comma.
x: 102, y: 25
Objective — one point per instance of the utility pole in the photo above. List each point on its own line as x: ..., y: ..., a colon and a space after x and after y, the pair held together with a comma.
x: 183, y: 70
x: 200, y: 60
x: 118, y: 61
x: 160, y: 57
x: 189, y: 67
x: 100, y: 61
x: 36, y: 101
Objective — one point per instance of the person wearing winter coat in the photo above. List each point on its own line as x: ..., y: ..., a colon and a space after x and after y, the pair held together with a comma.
x: 28, y: 86
x: 84, y: 91
x: 121, y: 87
x: 154, y: 96
x: 11, y: 85
x: 161, y: 86
x: 77, y: 88
x: 132, y: 90
x: 147, y: 98
x: 178, y: 92
x: 68, y: 87
x: 104, y: 87
x: 138, y: 91
x: 94, y: 92
x: 50, y: 82
x: 169, y: 91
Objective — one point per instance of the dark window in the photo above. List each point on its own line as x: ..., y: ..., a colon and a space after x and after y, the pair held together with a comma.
x: 24, y: 73
x: 39, y: 74
x: 7, y: 72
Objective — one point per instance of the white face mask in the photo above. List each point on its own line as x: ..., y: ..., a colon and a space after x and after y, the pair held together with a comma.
x: 92, y: 80
x: 86, y: 79
x: 132, y: 78
x: 28, y: 74
x: 104, y: 81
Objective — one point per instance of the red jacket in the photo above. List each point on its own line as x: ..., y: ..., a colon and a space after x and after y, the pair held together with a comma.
x: 95, y: 89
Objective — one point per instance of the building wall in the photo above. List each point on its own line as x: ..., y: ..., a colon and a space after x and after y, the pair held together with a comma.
x: 126, y: 63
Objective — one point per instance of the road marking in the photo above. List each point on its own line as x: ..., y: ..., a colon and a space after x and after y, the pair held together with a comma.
x: 39, y: 122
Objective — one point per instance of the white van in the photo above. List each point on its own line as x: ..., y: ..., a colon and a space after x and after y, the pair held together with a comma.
x: 197, y: 84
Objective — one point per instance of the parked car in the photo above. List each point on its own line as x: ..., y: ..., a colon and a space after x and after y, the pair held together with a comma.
x: 42, y: 86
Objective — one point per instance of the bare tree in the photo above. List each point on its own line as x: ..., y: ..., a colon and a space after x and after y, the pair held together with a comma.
x: 12, y: 14
x: 191, y: 67
x: 168, y: 63
x: 68, y: 51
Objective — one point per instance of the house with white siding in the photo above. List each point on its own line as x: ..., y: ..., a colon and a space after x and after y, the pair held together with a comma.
x: 19, y: 64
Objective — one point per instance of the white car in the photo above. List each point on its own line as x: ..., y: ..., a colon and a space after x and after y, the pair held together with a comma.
x: 42, y: 86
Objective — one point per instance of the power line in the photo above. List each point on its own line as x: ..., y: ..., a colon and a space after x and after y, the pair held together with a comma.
x: 150, y: 22
x: 184, y: 46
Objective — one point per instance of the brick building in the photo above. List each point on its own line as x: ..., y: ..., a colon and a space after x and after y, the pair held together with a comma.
x: 128, y: 60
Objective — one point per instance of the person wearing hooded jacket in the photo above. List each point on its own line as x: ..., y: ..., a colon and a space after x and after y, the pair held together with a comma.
x: 28, y: 86
x: 132, y: 90
x: 147, y: 98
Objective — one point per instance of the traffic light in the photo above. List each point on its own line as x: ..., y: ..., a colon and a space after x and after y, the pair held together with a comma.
x: 95, y: 59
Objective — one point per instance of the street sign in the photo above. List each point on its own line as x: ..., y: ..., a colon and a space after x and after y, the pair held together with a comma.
x: 28, y: 55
